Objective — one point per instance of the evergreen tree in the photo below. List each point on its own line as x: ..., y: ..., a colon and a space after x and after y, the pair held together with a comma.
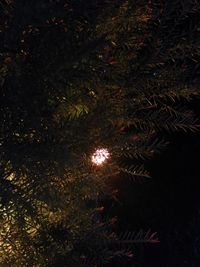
x: 77, y: 77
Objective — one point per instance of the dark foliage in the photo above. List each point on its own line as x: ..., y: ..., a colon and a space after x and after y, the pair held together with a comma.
x: 76, y: 76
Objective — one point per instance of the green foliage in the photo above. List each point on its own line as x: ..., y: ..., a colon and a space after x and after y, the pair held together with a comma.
x: 76, y: 76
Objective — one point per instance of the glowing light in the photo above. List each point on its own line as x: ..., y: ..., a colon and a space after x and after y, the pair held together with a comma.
x: 100, y: 156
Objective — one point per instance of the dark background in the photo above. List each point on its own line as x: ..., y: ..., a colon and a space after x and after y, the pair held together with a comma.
x: 168, y: 203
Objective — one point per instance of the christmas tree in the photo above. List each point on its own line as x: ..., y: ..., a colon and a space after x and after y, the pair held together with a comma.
x: 88, y: 91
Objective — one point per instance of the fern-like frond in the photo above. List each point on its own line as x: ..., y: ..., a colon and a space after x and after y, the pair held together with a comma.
x: 138, y: 237
x: 137, y: 149
x: 135, y: 171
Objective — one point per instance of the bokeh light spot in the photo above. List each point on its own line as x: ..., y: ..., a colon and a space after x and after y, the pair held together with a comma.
x: 100, y: 156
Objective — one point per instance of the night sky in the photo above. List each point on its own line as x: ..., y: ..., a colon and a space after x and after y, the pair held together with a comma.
x: 43, y: 55
x: 168, y: 203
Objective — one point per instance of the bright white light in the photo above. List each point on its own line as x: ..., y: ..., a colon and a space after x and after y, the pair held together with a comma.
x: 100, y: 156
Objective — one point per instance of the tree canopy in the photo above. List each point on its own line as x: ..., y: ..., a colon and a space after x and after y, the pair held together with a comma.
x: 76, y: 76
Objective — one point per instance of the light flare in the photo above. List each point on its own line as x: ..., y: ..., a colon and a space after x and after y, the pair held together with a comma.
x: 100, y: 156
